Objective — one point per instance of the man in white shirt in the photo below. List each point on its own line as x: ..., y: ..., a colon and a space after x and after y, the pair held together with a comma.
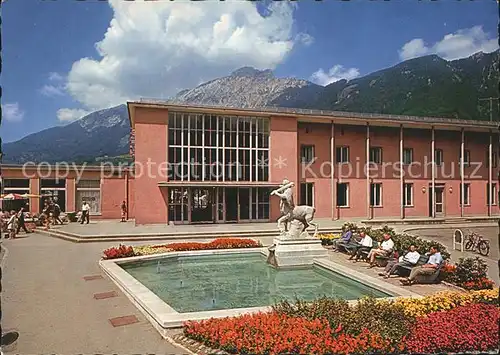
x: 433, y: 264
x: 365, y: 244
x: 384, y: 249
x: 85, y: 212
x: 409, y: 259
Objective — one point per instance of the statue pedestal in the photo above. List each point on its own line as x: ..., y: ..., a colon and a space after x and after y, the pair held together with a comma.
x: 296, y: 252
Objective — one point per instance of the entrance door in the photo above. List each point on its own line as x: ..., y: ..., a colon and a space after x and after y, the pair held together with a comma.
x: 438, y: 200
x: 244, y: 203
x: 201, y: 205
x: 231, y: 204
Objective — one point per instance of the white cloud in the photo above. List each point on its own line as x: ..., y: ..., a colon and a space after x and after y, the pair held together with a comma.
x: 51, y: 90
x: 57, y: 86
x: 156, y: 49
x: 460, y: 44
x: 12, y: 112
x: 336, y: 73
x: 55, y: 77
x: 70, y: 115
x: 305, y: 39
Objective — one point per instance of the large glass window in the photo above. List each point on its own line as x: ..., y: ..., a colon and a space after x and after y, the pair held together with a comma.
x: 178, y: 201
x: 90, y: 191
x: 53, y: 190
x: 203, y: 147
x: 15, y: 186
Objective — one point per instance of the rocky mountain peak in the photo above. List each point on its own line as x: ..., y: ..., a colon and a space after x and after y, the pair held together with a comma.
x: 252, y: 72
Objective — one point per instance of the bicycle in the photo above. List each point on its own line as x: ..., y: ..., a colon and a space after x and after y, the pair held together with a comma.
x: 476, y: 243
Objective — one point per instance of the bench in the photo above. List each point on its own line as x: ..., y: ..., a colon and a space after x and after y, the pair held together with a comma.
x: 404, y: 270
x: 349, y: 246
x: 364, y: 253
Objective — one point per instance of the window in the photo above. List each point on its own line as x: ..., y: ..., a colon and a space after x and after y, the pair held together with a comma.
x: 15, y: 186
x: 466, y: 157
x: 260, y: 203
x: 307, y: 153
x: 307, y: 194
x: 494, y: 159
x: 55, y: 190
x: 493, y: 193
x: 343, y: 195
x: 90, y: 191
x: 178, y: 205
x: 205, y: 147
x: 376, y: 195
x: 376, y: 155
x: 438, y: 157
x: 466, y: 194
x: 342, y: 154
x: 408, y: 195
x: 407, y: 156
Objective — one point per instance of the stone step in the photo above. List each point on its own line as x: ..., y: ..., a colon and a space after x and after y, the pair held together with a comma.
x: 166, y: 236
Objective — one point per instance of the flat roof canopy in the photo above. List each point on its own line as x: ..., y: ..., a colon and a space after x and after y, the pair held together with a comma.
x: 218, y: 183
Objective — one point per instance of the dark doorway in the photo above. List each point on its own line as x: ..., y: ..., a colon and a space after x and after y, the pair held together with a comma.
x: 244, y: 203
x: 202, y: 205
x: 232, y: 204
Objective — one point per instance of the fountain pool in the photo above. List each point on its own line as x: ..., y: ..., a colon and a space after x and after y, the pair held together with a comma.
x: 214, y: 282
x: 175, y: 287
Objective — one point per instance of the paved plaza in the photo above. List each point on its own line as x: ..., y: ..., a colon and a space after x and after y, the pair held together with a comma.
x: 47, y: 299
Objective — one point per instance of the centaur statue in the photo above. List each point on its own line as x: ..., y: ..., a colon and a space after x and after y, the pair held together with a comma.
x: 290, y: 212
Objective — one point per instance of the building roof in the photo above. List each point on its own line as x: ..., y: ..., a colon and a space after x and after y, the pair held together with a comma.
x: 355, y: 117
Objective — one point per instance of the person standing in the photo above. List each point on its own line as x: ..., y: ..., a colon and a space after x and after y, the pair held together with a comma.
x: 20, y: 222
x: 85, y: 212
x: 124, y: 211
x: 11, y: 225
x: 57, y: 213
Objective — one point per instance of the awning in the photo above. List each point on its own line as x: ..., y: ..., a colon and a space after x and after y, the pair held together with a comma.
x: 218, y: 184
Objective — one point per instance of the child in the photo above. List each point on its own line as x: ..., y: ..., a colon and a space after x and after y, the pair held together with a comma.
x: 124, y: 212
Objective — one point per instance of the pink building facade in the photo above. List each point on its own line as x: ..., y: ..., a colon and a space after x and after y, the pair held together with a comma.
x: 218, y: 165
x: 102, y: 187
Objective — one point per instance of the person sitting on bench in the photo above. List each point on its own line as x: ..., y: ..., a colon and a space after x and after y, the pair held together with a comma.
x: 435, y: 259
x: 346, y: 238
x: 409, y: 259
x: 384, y: 249
x: 365, y: 244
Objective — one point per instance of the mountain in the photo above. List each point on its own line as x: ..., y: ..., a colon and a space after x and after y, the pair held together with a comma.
x: 101, y: 133
x: 246, y: 88
x: 425, y: 86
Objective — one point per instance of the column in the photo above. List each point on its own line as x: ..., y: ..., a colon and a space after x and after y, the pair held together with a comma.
x: 462, y: 188
x: 332, y: 171
x: 368, y: 170
x: 433, y: 167
x: 401, y: 179
x: 490, y: 174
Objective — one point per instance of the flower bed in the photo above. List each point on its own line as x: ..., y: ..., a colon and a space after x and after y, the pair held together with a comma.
x: 466, y: 328
x: 222, y: 243
x: 327, y: 238
x: 382, y: 326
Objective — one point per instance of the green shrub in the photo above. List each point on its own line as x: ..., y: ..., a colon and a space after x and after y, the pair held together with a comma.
x: 470, y: 269
x: 380, y: 317
x: 332, y: 309
x: 402, y: 242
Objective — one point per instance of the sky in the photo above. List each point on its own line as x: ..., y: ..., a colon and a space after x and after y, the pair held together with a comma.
x: 63, y: 59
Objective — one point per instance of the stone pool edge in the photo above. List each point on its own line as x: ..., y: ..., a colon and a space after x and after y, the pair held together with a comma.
x: 164, y: 318
x: 157, y: 311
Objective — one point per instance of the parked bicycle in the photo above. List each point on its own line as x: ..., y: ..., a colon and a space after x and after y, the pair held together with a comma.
x: 476, y: 243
